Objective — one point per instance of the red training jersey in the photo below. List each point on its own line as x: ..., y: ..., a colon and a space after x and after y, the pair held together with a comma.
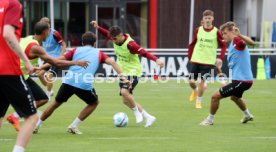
x: 10, y: 14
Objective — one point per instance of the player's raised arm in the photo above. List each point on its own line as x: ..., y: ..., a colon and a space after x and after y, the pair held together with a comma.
x: 102, y: 30
x: 246, y: 39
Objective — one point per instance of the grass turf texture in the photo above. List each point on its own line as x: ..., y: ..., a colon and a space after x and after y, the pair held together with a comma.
x: 176, y: 128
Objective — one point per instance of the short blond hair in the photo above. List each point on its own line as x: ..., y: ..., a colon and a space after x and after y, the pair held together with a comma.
x: 208, y: 13
x: 228, y: 25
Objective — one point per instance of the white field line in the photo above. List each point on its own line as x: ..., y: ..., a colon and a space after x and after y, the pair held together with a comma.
x: 271, y: 137
x: 135, y: 138
x: 6, y: 139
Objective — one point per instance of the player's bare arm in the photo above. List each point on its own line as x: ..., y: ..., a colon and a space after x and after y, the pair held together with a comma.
x: 8, y: 34
x: 63, y: 48
x: 37, y: 51
x: 246, y: 39
x: 116, y: 67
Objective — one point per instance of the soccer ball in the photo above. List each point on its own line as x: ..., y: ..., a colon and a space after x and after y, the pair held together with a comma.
x: 120, y: 119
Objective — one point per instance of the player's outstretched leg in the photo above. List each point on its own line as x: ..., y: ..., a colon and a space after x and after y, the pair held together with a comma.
x: 46, y: 113
x: 216, y: 97
x: 128, y: 100
x: 193, y: 96
x: 14, y: 118
x: 73, y: 127
x: 25, y: 132
x: 247, y: 116
x: 200, y: 92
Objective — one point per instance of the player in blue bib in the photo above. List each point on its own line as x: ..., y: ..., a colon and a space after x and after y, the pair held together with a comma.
x: 239, y: 72
x: 54, y: 46
x: 79, y: 81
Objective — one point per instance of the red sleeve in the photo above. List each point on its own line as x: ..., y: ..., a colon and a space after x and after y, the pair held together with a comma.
x: 239, y: 44
x: 102, y: 57
x: 104, y: 32
x: 69, y: 55
x: 134, y: 48
x: 13, y: 14
x: 222, y: 45
x: 28, y: 49
x: 58, y: 37
x: 192, y: 44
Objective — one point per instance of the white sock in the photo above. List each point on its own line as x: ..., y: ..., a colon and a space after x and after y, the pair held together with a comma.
x: 76, y: 123
x: 39, y: 123
x: 15, y: 114
x: 205, y: 84
x: 246, y: 113
x: 135, y: 108
x: 211, y: 117
x: 198, y: 99
x: 145, y: 114
x: 39, y: 112
x: 18, y: 149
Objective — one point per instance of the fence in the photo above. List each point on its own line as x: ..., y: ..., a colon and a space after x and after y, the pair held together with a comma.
x: 177, y: 63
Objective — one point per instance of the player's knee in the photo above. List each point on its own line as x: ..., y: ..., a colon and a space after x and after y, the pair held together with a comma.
x: 192, y: 82
x: 215, y: 97
x: 96, y: 103
x: 124, y: 92
x: 32, y: 118
x: 41, y: 102
x: 233, y: 98
x: 125, y: 102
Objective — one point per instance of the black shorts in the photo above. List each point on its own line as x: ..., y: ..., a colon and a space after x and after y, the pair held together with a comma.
x: 200, y: 70
x: 236, y: 88
x: 134, y: 82
x: 54, y: 70
x: 15, y: 91
x: 36, y: 90
x: 66, y: 91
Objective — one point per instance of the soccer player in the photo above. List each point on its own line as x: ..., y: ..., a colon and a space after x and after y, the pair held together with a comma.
x: 78, y: 81
x: 13, y: 88
x: 127, y: 50
x: 55, y: 47
x: 202, y: 53
x: 240, y: 67
x: 31, y: 46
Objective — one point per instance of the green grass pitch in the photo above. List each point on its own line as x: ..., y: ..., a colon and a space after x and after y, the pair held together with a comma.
x: 176, y: 129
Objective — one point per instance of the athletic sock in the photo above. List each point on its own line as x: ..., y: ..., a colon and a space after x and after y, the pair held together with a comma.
x: 211, y: 117
x: 135, y: 108
x: 246, y: 113
x: 38, y: 123
x: 15, y: 114
x: 146, y: 114
x: 205, y: 84
x: 76, y: 123
x: 39, y: 112
x: 198, y: 99
x: 18, y: 149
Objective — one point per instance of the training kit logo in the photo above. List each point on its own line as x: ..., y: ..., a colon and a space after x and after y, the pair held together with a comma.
x: 50, y: 76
